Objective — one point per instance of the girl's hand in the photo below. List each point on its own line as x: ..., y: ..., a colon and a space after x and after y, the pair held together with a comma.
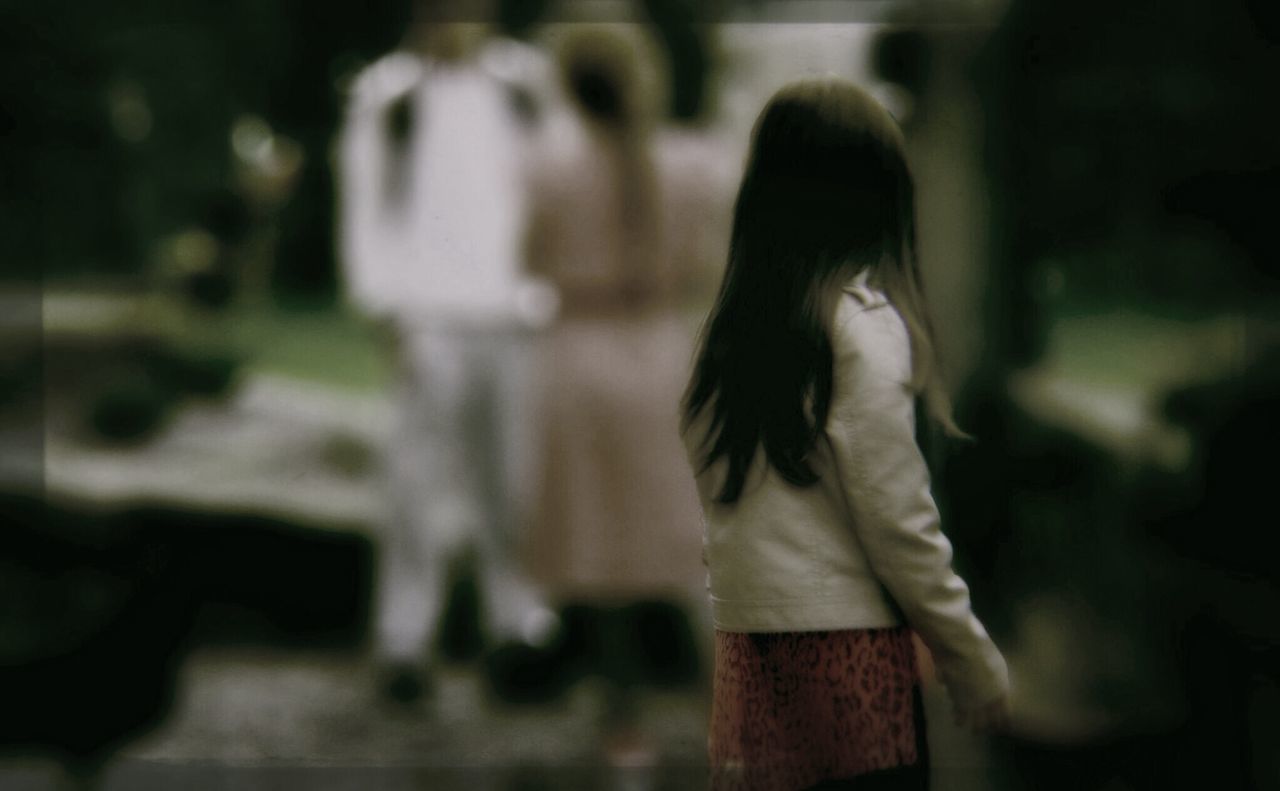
x: 991, y: 717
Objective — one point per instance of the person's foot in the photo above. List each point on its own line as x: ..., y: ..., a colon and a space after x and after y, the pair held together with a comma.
x: 404, y: 683
x: 629, y: 747
x: 520, y: 673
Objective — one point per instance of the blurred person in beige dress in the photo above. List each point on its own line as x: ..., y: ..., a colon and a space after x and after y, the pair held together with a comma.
x: 620, y: 224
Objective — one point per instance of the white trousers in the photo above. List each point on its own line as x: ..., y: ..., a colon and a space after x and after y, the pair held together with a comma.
x: 459, y: 473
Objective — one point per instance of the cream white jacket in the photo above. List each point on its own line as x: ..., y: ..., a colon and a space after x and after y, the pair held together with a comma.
x: 862, y: 548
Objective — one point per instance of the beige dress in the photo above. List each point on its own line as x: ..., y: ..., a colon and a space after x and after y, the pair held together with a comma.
x: 617, y: 516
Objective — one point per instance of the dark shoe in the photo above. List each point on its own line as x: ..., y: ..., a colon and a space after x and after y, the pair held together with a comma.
x: 519, y: 673
x: 404, y: 683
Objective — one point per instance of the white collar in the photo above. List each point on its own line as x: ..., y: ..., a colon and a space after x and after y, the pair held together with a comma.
x: 860, y: 287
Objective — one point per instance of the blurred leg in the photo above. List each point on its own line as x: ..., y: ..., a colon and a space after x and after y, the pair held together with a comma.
x: 504, y: 438
x: 432, y: 507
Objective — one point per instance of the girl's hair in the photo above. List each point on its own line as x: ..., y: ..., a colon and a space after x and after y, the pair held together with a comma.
x: 397, y: 128
x: 603, y: 72
x: 826, y: 194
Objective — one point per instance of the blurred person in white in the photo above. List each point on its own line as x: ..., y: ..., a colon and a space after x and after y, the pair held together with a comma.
x: 619, y: 222
x: 433, y: 210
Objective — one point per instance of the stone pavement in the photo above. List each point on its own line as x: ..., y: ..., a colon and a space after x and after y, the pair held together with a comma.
x: 273, y: 719
x: 252, y: 718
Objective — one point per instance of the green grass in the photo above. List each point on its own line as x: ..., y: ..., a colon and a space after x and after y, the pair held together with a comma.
x: 326, y: 346
x: 1132, y: 349
x: 1132, y: 341
x: 332, y: 347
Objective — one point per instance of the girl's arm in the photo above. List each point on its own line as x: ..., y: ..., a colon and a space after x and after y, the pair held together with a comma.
x: 886, y: 485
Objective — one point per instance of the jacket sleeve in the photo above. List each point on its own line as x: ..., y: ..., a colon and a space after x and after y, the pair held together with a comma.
x: 886, y: 486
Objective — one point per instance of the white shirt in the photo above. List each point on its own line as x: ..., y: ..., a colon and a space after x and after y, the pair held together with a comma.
x: 431, y: 228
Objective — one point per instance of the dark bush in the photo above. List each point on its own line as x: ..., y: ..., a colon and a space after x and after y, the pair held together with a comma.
x: 130, y: 410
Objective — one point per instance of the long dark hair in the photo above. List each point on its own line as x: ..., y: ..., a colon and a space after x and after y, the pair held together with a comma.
x: 826, y: 194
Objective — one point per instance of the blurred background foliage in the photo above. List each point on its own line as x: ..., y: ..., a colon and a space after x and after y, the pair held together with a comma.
x: 1132, y: 163
x: 118, y: 121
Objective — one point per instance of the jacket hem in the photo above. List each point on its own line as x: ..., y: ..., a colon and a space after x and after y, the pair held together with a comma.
x: 799, y: 616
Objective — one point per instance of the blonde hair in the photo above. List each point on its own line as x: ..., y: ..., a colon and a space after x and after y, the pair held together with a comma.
x: 606, y: 73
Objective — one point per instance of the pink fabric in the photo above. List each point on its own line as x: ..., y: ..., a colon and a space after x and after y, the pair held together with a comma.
x: 794, y: 709
x: 618, y: 515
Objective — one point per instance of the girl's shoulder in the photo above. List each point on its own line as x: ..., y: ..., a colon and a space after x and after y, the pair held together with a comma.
x: 857, y: 297
x: 860, y: 294
x: 865, y: 296
x: 386, y: 79
x: 870, y: 332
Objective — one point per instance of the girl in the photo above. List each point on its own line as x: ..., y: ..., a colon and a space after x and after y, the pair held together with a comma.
x: 822, y: 540
x: 610, y: 542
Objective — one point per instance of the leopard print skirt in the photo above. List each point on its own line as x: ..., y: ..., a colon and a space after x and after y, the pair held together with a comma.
x: 797, y: 709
